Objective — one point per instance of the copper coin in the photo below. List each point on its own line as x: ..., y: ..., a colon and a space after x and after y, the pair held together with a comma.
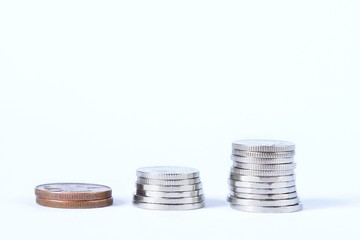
x: 74, y: 204
x: 73, y: 191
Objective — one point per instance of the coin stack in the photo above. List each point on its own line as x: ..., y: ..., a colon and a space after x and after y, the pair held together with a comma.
x: 262, y: 177
x: 73, y: 195
x: 168, y: 188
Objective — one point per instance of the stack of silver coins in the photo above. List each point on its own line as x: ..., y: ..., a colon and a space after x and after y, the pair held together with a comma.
x: 168, y: 188
x: 262, y: 177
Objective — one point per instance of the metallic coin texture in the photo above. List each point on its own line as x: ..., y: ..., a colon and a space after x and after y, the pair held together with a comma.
x: 263, y: 203
x: 242, y: 153
x: 264, y: 196
x: 167, y: 172
x: 247, y: 172
x: 169, y: 201
x: 237, y: 177
x: 260, y: 185
x: 256, y: 209
x: 74, y: 204
x: 265, y: 167
x: 158, y: 188
x: 259, y: 145
x: 166, y: 207
x: 250, y: 160
x: 170, y: 194
x: 162, y: 182
x: 262, y: 190
x: 72, y: 191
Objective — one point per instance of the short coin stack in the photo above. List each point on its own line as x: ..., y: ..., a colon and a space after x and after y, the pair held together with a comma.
x: 73, y: 195
x: 262, y: 177
x: 168, y: 188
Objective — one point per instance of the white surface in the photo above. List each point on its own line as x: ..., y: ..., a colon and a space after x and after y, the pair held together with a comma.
x: 92, y: 90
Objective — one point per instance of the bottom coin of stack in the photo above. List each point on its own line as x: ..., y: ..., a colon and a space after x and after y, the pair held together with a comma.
x: 73, y: 195
x: 168, y: 188
x: 262, y: 177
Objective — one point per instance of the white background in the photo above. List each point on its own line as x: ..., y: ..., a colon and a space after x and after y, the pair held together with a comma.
x: 92, y: 90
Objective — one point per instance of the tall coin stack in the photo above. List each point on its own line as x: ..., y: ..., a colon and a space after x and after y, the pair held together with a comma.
x: 168, y: 188
x: 262, y: 177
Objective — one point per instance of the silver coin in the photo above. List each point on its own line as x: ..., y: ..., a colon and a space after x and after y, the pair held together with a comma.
x: 256, y: 209
x: 237, y: 177
x: 163, y: 182
x: 169, y: 201
x: 250, y: 160
x: 158, y: 188
x: 265, y: 167
x: 263, y: 203
x: 166, y: 207
x: 235, y: 183
x: 259, y: 145
x: 264, y: 196
x: 262, y: 190
x: 170, y: 194
x: 167, y: 172
x: 261, y: 173
x: 242, y: 153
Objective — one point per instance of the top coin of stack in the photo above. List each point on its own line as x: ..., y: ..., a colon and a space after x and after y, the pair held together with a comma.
x: 73, y: 195
x: 168, y: 188
x: 262, y: 176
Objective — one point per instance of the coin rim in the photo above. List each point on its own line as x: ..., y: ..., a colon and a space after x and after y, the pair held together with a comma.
x: 164, y: 207
x: 98, y: 195
x: 53, y: 203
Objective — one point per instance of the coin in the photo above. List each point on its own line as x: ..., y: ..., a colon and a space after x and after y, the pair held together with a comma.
x: 256, y: 209
x: 261, y: 173
x: 167, y: 172
x: 157, y: 188
x: 264, y: 196
x: 260, y: 185
x: 169, y: 194
x: 170, y: 201
x: 262, y: 203
x: 259, y: 145
x: 265, y: 167
x: 234, y: 176
x: 166, y: 207
x: 163, y: 182
x: 262, y: 190
x: 72, y: 191
x: 74, y: 204
x: 240, y: 159
x: 242, y: 153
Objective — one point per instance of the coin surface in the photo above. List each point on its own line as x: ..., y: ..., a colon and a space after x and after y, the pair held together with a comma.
x: 74, y: 204
x: 260, y: 184
x: 234, y: 176
x: 242, y: 153
x: 257, y: 209
x: 247, y: 172
x: 166, y: 207
x: 265, y: 167
x: 262, y: 190
x: 157, y: 188
x: 72, y: 191
x: 177, y: 201
x: 264, y: 196
x: 261, y: 145
x: 240, y: 159
x: 169, y: 194
x: 163, y: 182
x: 167, y: 172
x: 263, y: 203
